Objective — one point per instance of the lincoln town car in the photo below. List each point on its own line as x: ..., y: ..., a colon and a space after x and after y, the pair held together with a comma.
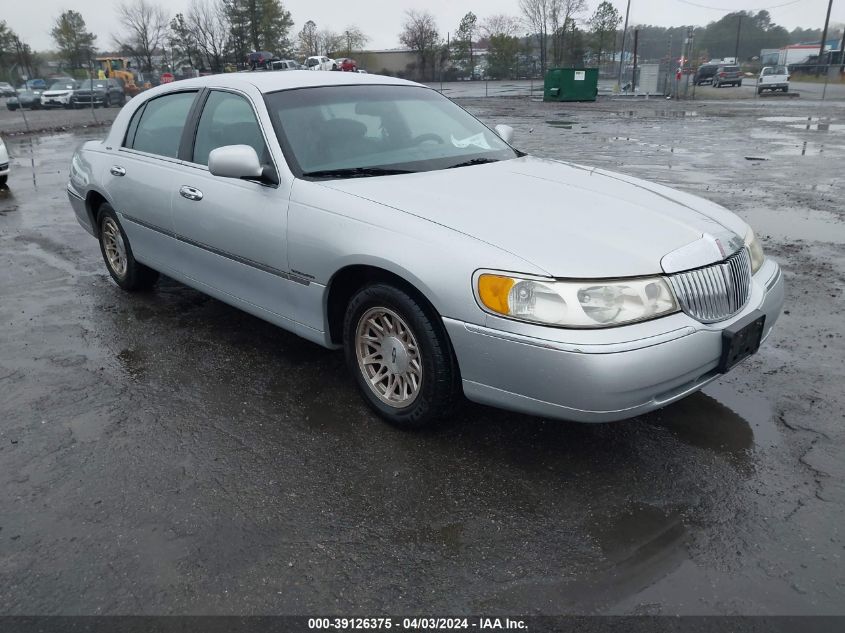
x: 376, y: 216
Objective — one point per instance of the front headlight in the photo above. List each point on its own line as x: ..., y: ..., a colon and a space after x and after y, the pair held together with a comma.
x: 575, y: 304
x: 755, y: 250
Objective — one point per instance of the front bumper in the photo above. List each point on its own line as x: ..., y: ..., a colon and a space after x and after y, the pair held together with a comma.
x: 600, y: 375
x: 80, y: 100
x: 61, y: 101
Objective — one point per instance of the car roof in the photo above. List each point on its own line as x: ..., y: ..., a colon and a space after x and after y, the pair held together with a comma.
x: 272, y: 82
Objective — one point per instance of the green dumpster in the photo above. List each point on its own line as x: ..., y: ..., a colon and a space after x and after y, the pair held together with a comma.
x: 571, y: 84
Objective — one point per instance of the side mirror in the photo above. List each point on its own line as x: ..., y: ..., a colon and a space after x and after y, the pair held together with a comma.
x: 505, y: 132
x: 235, y: 161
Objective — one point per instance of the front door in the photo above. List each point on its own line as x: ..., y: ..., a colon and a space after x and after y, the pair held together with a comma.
x: 232, y: 233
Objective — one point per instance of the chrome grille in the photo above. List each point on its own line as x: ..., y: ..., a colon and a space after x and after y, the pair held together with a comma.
x: 715, y: 292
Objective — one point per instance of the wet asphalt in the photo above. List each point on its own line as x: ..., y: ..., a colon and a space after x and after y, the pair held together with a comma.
x: 164, y: 453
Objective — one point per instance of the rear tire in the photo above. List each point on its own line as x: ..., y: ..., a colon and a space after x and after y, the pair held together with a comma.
x: 400, y: 356
x: 106, y: 102
x: 127, y: 273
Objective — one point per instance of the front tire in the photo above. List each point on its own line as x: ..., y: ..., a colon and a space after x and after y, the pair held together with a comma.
x: 400, y: 355
x: 3, y: 180
x: 106, y: 102
x: 117, y: 253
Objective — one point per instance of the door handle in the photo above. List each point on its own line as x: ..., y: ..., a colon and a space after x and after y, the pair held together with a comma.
x: 117, y: 171
x: 190, y: 193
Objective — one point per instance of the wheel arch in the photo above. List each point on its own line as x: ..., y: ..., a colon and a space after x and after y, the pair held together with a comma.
x: 346, y: 281
x: 95, y: 199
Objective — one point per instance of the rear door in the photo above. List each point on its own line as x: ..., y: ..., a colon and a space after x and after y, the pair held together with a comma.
x: 232, y: 233
x: 141, y: 176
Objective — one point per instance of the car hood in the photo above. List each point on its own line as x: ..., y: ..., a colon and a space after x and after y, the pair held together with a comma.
x: 566, y: 219
x: 56, y: 93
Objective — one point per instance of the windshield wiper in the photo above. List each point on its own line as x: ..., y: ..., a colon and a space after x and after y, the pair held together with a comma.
x: 356, y: 172
x: 474, y: 161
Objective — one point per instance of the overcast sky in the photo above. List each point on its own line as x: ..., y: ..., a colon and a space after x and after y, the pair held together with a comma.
x: 382, y: 19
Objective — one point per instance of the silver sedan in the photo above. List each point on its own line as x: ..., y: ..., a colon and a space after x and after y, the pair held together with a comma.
x: 375, y: 215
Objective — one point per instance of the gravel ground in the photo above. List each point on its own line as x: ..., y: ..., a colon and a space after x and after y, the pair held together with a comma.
x: 164, y: 453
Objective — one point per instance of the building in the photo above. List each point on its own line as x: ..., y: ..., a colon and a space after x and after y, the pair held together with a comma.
x: 802, y: 53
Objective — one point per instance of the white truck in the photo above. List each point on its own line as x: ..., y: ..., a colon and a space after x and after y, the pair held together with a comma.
x: 773, y: 78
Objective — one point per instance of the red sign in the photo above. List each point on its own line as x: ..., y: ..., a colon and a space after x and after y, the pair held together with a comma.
x: 166, y: 78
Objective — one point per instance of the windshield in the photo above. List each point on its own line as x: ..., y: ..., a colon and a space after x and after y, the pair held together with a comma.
x: 368, y: 129
x: 98, y: 85
x: 63, y: 85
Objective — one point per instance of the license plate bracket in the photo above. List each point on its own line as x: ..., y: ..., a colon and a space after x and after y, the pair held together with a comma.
x: 741, y: 340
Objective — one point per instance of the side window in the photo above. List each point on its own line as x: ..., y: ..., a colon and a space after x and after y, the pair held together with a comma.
x: 159, y: 129
x: 227, y: 119
x: 133, y: 127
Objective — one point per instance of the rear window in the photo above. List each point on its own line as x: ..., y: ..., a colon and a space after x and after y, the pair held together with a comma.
x: 731, y: 69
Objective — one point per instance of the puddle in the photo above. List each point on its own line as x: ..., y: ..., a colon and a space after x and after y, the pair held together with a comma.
x: 638, y: 533
x: 807, y: 123
x: 702, y: 420
x: 821, y: 226
x: 755, y: 410
x: 671, y: 114
x: 793, y: 119
x: 567, y: 125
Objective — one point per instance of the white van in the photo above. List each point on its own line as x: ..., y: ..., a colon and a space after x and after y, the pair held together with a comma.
x: 773, y: 78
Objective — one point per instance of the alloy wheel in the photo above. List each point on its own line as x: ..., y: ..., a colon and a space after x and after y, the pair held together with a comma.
x: 114, y: 247
x: 389, y: 357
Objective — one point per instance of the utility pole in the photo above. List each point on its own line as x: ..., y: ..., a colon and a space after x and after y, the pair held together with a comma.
x: 738, y: 28
x: 634, y: 71
x: 824, y: 35
x: 622, y: 50
x: 666, y: 84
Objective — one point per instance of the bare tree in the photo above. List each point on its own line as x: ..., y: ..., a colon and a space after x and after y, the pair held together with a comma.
x: 207, y: 20
x: 500, y: 24
x: 562, y: 17
x: 144, y: 30
x: 354, y: 38
x: 330, y: 42
x: 309, y: 40
x: 537, y: 15
x: 419, y: 33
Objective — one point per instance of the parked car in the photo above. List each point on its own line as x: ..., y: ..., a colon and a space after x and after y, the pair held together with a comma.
x: 4, y: 163
x: 35, y: 84
x: 398, y: 227
x: 773, y: 78
x: 103, y: 92
x: 6, y: 89
x: 321, y: 62
x: 348, y: 65
x: 727, y: 76
x: 285, y: 64
x: 26, y: 98
x: 705, y: 74
x: 59, y: 94
x: 260, y: 59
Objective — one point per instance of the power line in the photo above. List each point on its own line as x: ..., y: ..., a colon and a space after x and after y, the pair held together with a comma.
x: 774, y: 6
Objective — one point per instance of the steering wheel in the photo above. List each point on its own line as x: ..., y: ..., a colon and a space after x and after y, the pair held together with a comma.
x: 428, y: 136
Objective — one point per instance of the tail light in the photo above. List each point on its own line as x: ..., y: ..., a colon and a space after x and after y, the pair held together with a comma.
x: 722, y: 75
